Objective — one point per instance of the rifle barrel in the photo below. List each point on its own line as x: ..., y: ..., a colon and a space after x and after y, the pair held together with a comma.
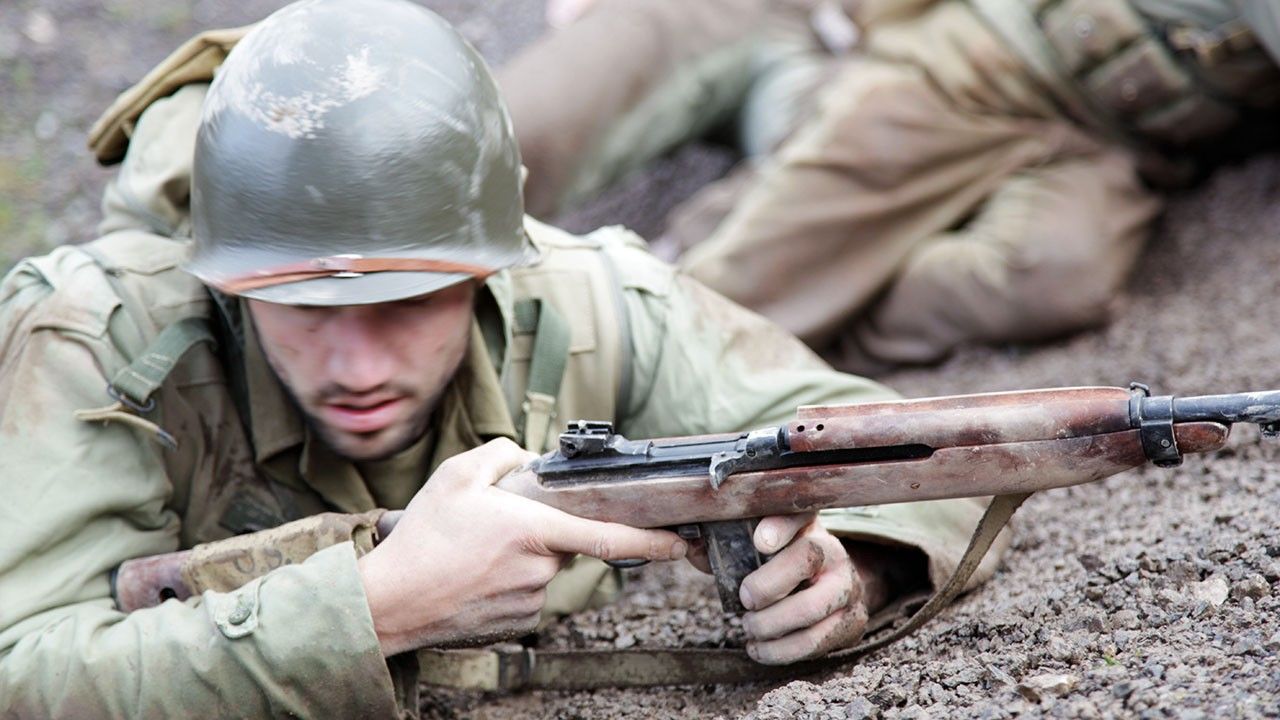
x: 1261, y: 408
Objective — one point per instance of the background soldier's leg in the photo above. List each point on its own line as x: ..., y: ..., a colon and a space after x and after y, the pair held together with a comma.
x: 627, y: 82
x: 885, y: 163
x: 1047, y: 254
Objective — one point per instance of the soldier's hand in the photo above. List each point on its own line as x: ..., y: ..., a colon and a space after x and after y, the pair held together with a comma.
x: 827, y: 613
x: 469, y: 563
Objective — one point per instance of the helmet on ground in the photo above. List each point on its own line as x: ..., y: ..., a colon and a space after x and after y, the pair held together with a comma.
x: 351, y: 152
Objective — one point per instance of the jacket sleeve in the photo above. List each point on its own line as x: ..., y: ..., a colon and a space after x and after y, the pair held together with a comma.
x: 79, y: 498
x: 702, y: 364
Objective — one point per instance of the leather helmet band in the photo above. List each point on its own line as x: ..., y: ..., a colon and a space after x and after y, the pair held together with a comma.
x: 342, y: 266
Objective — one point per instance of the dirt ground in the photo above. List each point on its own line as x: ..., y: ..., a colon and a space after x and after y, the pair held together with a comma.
x: 1153, y: 594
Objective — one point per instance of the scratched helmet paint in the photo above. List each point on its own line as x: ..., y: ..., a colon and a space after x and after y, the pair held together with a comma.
x: 350, y: 152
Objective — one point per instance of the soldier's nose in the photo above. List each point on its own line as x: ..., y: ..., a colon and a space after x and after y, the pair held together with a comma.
x: 358, y: 356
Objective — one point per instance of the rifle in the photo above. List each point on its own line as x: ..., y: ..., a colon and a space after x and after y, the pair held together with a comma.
x: 716, y: 486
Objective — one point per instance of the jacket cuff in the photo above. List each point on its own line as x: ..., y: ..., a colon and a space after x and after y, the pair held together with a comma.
x: 309, y: 623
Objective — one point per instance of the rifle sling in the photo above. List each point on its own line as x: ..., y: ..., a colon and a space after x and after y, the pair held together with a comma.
x: 510, y: 667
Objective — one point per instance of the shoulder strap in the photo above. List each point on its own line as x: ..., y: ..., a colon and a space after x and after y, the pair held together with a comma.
x: 546, y: 368
x: 508, y: 668
x: 134, y: 384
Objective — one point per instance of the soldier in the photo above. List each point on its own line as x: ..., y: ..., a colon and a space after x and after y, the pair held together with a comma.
x: 975, y: 172
x: 362, y: 306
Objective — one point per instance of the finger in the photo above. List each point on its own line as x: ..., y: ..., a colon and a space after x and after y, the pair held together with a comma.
x: 776, y: 531
x: 797, y: 562
x: 561, y: 532
x: 829, y: 593
x: 487, y: 464
x: 840, y: 630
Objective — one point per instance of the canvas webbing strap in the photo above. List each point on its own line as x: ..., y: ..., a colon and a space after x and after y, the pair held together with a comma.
x: 136, y: 382
x: 516, y: 668
x: 547, y: 362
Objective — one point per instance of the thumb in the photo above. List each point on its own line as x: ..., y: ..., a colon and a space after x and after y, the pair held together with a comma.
x: 484, y: 465
x: 565, y: 533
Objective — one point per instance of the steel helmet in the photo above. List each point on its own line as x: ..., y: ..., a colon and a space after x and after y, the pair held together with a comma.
x: 350, y: 152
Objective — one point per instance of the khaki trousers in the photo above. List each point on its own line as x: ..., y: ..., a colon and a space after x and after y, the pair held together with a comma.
x: 928, y: 195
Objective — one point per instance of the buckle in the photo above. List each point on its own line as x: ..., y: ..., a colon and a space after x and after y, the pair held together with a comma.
x: 128, y: 402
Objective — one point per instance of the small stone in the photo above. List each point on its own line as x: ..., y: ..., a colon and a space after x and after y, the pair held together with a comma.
x: 1126, y: 619
x: 889, y: 696
x: 1183, y: 571
x: 1089, y: 561
x: 1049, y: 685
x: 1213, y: 591
x: 1115, y: 598
x: 1091, y: 621
x: 859, y: 708
x: 1272, y: 643
x: 1247, y: 646
x: 1126, y: 566
x: 47, y: 126
x: 1005, y: 678
x: 624, y: 641
x: 914, y: 712
x: 1122, y: 690
x: 789, y: 705
x: 1122, y: 638
x: 1253, y: 586
x: 1062, y: 650
x: 40, y: 27
x: 1171, y: 599
x: 966, y: 676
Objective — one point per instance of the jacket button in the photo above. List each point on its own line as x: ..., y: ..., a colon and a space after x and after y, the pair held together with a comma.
x: 241, y: 612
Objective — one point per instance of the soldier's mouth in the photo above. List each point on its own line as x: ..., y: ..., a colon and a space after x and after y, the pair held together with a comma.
x: 363, y: 418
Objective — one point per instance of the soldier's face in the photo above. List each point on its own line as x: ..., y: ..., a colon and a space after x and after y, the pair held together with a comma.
x: 367, y: 377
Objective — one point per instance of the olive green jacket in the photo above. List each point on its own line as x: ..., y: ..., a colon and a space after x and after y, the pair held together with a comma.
x: 83, y: 495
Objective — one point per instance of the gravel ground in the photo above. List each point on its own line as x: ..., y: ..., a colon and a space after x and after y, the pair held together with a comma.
x: 1152, y: 594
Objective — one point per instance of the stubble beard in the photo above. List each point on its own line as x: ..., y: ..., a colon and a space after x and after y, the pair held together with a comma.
x: 398, y: 437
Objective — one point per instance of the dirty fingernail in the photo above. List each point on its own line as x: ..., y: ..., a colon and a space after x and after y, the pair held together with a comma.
x: 745, y: 596
x: 679, y: 549
x: 769, y: 537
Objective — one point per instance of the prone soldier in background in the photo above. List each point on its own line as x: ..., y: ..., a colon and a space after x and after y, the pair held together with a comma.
x: 975, y: 170
x: 363, y: 306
